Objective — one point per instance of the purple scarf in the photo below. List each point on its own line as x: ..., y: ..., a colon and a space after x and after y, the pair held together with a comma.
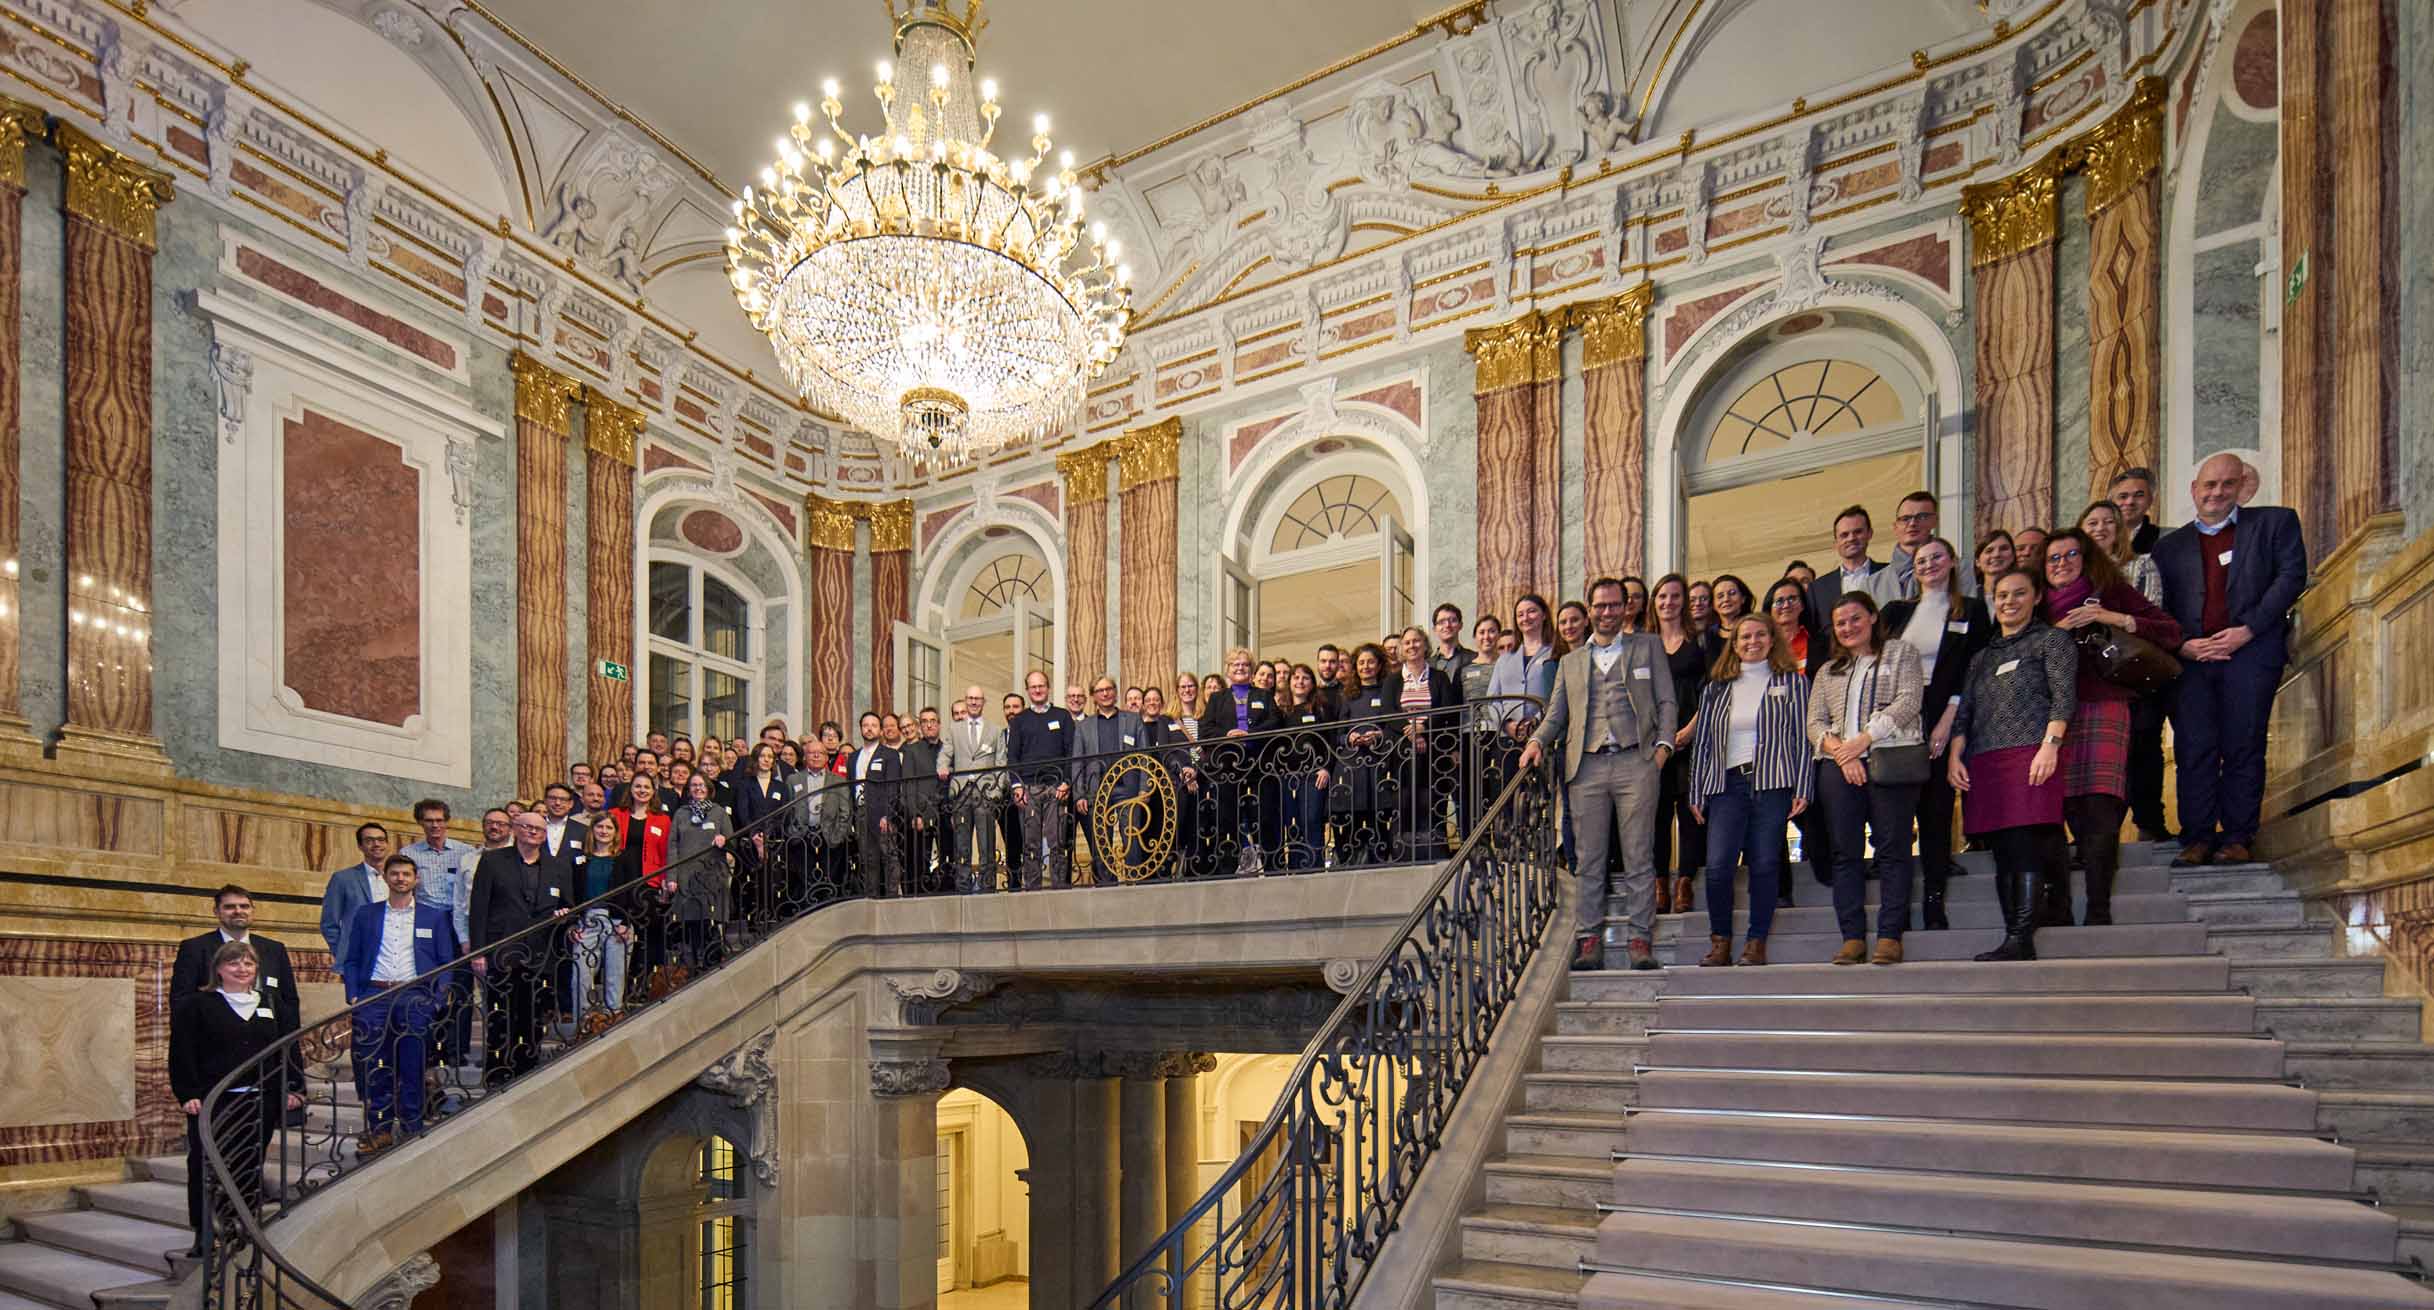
x: 2063, y: 599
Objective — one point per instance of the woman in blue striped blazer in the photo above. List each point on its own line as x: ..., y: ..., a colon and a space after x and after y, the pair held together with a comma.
x: 1749, y: 776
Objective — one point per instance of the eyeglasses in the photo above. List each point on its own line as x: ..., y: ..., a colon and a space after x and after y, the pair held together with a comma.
x: 1928, y: 517
x: 1783, y: 602
x: 2062, y: 556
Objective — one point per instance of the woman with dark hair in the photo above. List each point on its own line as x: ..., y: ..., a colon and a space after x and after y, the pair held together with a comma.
x: 2007, y: 738
x: 1635, y: 604
x: 212, y: 1034
x: 643, y: 828
x: 1428, y: 764
x: 2102, y: 522
x: 702, y: 883
x: 1366, y: 791
x: 790, y: 759
x: 1996, y: 555
x: 1687, y: 658
x: 1571, y: 624
x: 1702, y: 612
x: 1751, y: 776
x: 602, y: 938
x: 1303, y: 759
x: 1864, y: 714
x: 1787, y: 604
x: 1946, y: 628
x: 2083, y: 589
x: 1733, y: 599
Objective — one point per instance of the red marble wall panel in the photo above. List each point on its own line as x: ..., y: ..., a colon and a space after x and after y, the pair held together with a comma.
x: 831, y: 629
x: 1042, y: 494
x: 1246, y: 439
x: 1444, y: 299
x: 1146, y: 639
x: 936, y: 521
x: 608, y: 555
x: 1614, y: 468
x: 109, y: 482
x: 2015, y: 360
x: 1401, y: 397
x: 2256, y: 63
x: 2124, y: 336
x: 2364, y: 304
x: 655, y: 458
x: 1685, y: 319
x: 351, y: 611
x: 891, y: 593
x: 1938, y: 158
x: 2308, y: 483
x: 305, y: 289
x: 1927, y: 256
x: 711, y: 531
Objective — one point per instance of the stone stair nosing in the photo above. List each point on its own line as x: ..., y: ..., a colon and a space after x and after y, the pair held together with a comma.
x: 1497, y: 1285
x: 139, y: 1244
x: 51, y: 1276
x: 162, y: 1203
x: 2338, y: 1018
x: 1551, y: 1237
x: 2337, y: 976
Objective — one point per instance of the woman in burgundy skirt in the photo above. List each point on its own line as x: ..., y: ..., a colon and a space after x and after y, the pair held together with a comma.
x: 2007, y: 752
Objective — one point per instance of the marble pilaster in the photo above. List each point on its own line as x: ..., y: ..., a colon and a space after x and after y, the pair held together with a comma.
x: 610, y: 434
x: 1518, y: 382
x: 891, y: 577
x: 830, y: 546
x: 2012, y: 226
x: 544, y: 422
x: 2308, y: 482
x: 1147, y: 460
x: 2362, y: 434
x: 20, y: 125
x: 1614, y: 453
x: 1085, y: 475
x: 2124, y: 315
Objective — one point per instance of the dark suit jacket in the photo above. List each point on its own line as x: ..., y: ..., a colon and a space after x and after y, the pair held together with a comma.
x: 1217, y: 718
x: 510, y: 895
x: 920, y: 788
x: 880, y: 795
x: 2268, y: 571
x: 207, y: 1041
x: 435, y: 944
x: 751, y: 804
x: 1823, y: 593
x: 2142, y: 542
x: 1952, y: 653
x: 192, y: 973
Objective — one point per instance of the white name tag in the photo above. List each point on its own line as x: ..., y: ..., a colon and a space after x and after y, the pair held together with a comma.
x: 263, y: 1012
x: 2223, y: 559
x: 1377, y: 704
x: 1777, y: 691
x: 1309, y: 718
x: 877, y: 767
x: 1641, y: 674
x: 553, y: 891
x: 1259, y: 705
x: 1056, y: 725
x: 1128, y: 739
x: 2006, y: 667
x: 422, y: 932
x: 1959, y: 627
x: 270, y: 982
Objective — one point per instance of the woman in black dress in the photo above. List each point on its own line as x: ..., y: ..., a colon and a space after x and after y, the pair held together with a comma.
x: 212, y: 1033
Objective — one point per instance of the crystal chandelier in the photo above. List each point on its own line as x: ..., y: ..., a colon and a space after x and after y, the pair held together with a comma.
x: 918, y: 284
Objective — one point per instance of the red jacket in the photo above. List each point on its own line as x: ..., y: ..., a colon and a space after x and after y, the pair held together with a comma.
x: 654, y: 840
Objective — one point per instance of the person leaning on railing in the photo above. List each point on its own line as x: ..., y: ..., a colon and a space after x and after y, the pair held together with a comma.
x: 390, y: 944
x: 2007, y: 750
x: 1307, y: 759
x: 212, y: 1034
x: 1750, y: 775
x: 1427, y: 745
x: 1243, y: 827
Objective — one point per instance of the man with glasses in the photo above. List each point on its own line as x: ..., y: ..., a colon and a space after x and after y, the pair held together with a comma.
x: 1915, y: 521
x: 974, y: 749
x: 1101, y: 736
x: 515, y: 889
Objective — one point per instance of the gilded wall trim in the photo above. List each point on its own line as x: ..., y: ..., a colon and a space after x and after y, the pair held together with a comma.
x: 610, y: 429
x: 110, y: 190
x: 829, y: 524
x: 1526, y: 349
x: 1613, y: 330
x: 2122, y: 151
x: 543, y: 395
x: 20, y: 123
x: 2014, y: 214
x: 891, y: 525
x: 2023, y: 211
x: 1150, y: 454
x: 1085, y: 474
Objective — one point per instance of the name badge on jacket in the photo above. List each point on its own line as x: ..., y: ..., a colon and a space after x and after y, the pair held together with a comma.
x: 1777, y: 691
x: 2006, y: 667
x: 1259, y: 705
x: 1958, y: 627
x: 1128, y: 739
x: 270, y: 982
x: 1056, y: 725
x: 1640, y: 673
x: 424, y: 933
x: 553, y: 891
x: 2224, y: 559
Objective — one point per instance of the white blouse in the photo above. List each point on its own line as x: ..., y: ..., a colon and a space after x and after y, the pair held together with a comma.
x: 1741, y: 737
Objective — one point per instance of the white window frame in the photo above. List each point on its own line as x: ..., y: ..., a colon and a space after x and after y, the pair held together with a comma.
x: 756, y: 642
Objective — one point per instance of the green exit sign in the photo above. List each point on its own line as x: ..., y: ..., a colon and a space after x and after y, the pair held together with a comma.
x: 2298, y: 279
x: 612, y: 670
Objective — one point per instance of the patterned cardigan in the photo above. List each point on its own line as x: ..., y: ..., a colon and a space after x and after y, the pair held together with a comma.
x: 1784, y: 756
x: 1899, y: 689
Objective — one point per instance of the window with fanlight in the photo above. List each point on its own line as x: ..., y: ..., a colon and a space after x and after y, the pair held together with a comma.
x: 699, y: 677
x: 1814, y: 400
x: 1334, y: 565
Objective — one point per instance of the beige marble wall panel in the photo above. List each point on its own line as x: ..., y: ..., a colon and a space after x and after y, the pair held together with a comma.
x: 36, y: 815
x: 69, y: 1049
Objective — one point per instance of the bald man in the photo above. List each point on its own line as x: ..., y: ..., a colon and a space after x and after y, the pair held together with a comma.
x: 2230, y: 576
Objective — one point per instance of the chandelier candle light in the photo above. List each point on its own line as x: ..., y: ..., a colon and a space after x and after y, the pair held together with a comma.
x: 918, y: 284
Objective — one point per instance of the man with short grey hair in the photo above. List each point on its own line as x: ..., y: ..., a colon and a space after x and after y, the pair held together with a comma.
x: 973, y: 748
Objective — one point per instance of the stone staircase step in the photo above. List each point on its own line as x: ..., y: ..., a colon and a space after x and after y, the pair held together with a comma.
x: 2339, y: 1018
x: 1603, y: 1018
x: 1591, y: 1136
x: 2236, y: 1222
x: 1980, y: 1013
x: 162, y: 1203
x: 1619, y: 985
x: 2397, y: 1171
x: 2218, y: 879
x: 1966, y: 914
x: 1552, y: 1237
x: 1591, y: 1054
x: 2191, y: 1159
x: 1658, y: 1292
x: 2248, y: 1107
x: 1564, y: 1181
x: 12, y: 1301
x: 2333, y: 977
x: 1986, y: 1271
x: 137, y: 1243
x: 1579, y: 1093
x: 2355, y: 1117
x: 2244, y: 942
x: 2280, y: 908
x: 164, y: 1168
x: 1496, y: 1285
x: 2140, y: 939
x: 1974, y: 880
x: 2394, y: 1065
x: 2181, y: 973
x: 2056, y: 1055
x: 49, y: 1276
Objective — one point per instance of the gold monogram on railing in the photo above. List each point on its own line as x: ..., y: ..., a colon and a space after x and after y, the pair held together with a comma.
x: 1134, y: 834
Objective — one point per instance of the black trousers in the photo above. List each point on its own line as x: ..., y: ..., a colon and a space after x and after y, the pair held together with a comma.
x: 2146, y: 798
x: 1681, y: 838
x: 247, y: 1125
x: 511, y: 1032
x: 1935, y: 804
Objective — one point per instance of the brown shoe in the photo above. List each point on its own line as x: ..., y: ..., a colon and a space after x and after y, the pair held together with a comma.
x: 1753, y: 952
x: 1888, y: 951
x: 2192, y: 855
x: 1664, y: 896
x: 1588, y: 952
x: 1643, y: 956
x: 1719, y: 952
x: 1683, y: 899
x: 2232, y: 853
x: 1853, y: 951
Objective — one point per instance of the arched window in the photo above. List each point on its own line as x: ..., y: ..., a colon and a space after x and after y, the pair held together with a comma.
x: 702, y: 679
x: 1333, y: 564
x: 999, y: 582
x: 1814, y: 400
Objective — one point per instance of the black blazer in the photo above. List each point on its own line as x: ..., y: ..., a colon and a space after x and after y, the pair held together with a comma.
x: 192, y: 973
x: 1952, y: 654
x: 2268, y: 571
x: 510, y: 896
x: 207, y: 1041
x: 751, y: 804
x: 1217, y: 717
x: 880, y: 794
x: 1824, y: 594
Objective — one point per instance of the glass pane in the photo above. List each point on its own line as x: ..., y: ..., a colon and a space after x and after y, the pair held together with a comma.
x: 1343, y: 508
x: 1815, y: 399
x: 1747, y: 532
x: 1303, y: 611
x: 1237, y: 612
x: 725, y: 701
x: 672, y: 602
x: 1004, y: 580
x: 988, y: 663
x: 671, y: 694
x: 1041, y: 651
x: 723, y: 618
x: 1402, y: 614
x: 925, y: 675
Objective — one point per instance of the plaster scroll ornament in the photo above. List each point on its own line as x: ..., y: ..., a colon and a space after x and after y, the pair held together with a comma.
x: 1558, y: 70
x: 1398, y: 133
x: 114, y: 62
x: 1801, y: 192
x: 232, y: 374
x: 596, y: 210
x: 460, y: 478
x: 922, y: 1000
x: 2105, y: 26
x: 396, y: 1291
x: 1910, y: 143
x: 1308, y: 224
x: 478, y: 259
x: 1319, y: 414
x: 1479, y: 69
x: 1217, y: 191
x: 722, y: 479
x: 546, y: 309
x: 362, y: 201
x: 1341, y: 975
x: 220, y: 143
x: 1227, y: 334
x: 399, y: 27
x: 1803, y: 285
x: 750, y: 1081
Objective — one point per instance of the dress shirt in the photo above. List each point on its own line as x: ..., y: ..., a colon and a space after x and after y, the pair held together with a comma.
x: 371, y: 876
x: 396, y: 961
x: 446, y: 879
x: 2209, y: 529
x: 1605, y: 656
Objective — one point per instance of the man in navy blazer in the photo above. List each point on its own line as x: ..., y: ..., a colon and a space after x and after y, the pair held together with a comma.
x: 353, y: 887
x: 389, y: 945
x: 2230, y: 576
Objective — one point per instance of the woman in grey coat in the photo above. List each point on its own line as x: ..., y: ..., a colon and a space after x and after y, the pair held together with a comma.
x: 698, y: 830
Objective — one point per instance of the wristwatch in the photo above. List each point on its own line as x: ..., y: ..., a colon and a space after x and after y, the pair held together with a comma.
x: 2053, y: 741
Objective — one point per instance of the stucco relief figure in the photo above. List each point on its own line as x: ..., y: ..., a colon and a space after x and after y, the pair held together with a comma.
x: 1558, y: 70
x: 623, y: 261
x: 1397, y: 135
x: 1608, y: 123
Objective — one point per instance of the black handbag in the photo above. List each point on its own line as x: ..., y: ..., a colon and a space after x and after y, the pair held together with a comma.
x: 2126, y: 659
x: 1894, y: 766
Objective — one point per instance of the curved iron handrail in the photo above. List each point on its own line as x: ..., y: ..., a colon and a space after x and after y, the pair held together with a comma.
x: 1374, y: 789
x: 1351, y: 1133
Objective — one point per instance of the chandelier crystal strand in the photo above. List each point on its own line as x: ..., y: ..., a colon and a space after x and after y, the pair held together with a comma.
x: 944, y: 298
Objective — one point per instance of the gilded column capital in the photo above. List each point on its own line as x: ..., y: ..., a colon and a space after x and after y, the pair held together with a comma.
x: 1613, y: 330
x: 543, y: 395
x: 1527, y: 349
x: 110, y: 190
x: 891, y: 524
x: 20, y: 123
x: 609, y: 428
x: 2015, y: 214
x: 829, y: 523
x: 1085, y: 474
x: 1150, y: 454
x: 2122, y: 151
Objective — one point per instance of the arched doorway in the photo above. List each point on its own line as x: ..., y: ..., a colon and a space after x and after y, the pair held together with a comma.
x: 695, y: 1213
x: 1326, y: 552
x: 984, y: 1206
x: 1820, y: 410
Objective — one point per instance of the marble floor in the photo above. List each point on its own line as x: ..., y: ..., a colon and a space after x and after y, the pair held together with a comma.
x: 1012, y: 1294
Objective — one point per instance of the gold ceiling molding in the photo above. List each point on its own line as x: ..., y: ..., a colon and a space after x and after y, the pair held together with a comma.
x: 543, y: 395
x: 19, y: 124
x: 1613, y: 330
x: 891, y: 524
x: 1085, y: 474
x: 110, y: 190
x: 1527, y: 349
x: 2014, y: 215
x: 2123, y: 151
x: 609, y: 428
x: 1150, y: 454
x: 2023, y: 211
x: 830, y: 522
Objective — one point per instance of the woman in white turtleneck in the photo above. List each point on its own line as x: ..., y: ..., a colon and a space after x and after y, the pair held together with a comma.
x: 1947, y: 629
x: 213, y: 1033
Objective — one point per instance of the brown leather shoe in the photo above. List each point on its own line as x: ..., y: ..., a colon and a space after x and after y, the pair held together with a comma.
x: 1683, y: 898
x: 1853, y: 951
x: 2232, y: 853
x: 1719, y: 952
x: 2192, y: 855
x: 1888, y: 951
x: 1753, y: 951
x: 1643, y: 956
x: 1664, y: 895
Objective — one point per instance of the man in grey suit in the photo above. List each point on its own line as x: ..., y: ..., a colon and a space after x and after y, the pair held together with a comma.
x: 1614, y: 711
x: 967, y: 744
x: 1105, y: 732
x: 354, y: 886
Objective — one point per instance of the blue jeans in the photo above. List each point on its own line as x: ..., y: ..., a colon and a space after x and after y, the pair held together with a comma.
x: 1885, y: 812
x: 1741, y: 819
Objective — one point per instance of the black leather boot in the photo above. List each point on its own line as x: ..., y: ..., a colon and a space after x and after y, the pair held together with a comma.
x: 2027, y: 899
x: 1931, y: 912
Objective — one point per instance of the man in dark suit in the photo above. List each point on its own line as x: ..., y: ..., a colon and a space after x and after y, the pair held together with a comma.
x: 923, y: 816
x: 1106, y: 733
x: 1853, y: 531
x: 514, y: 889
x: 879, y: 773
x: 1038, y: 742
x: 234, y: 908
x: 389, y: 945
x: 2230, y: 576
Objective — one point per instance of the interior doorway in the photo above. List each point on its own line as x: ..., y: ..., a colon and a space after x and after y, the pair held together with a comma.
x: 984, y: 1206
